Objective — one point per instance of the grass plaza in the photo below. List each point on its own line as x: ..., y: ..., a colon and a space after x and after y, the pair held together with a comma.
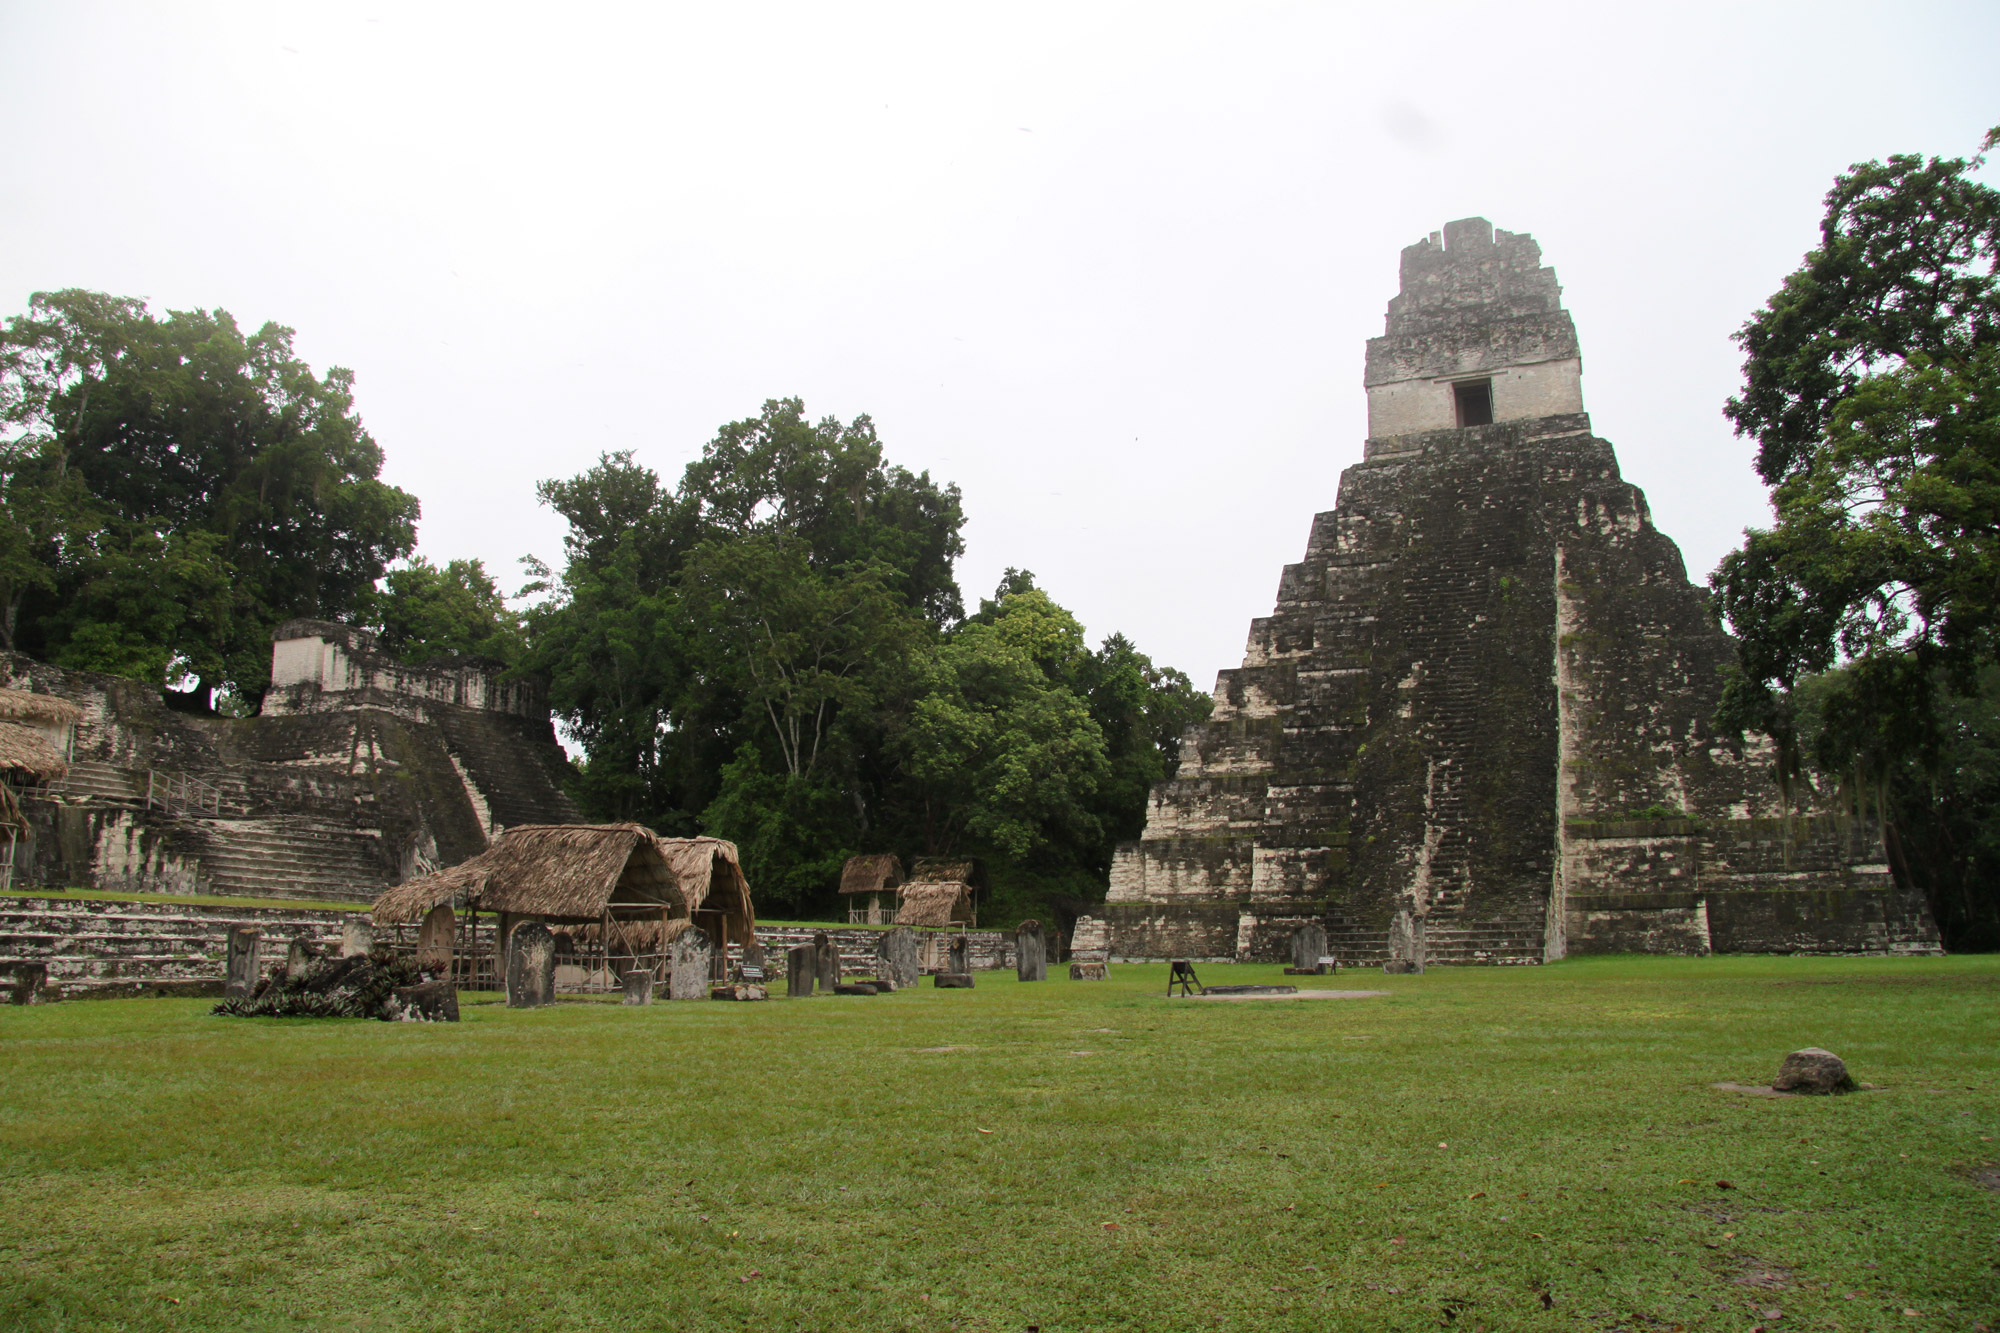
x: 1476, y: 1148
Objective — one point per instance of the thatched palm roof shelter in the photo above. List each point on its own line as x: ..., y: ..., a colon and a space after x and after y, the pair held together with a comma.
x: 935, y: 904
x: 27, y: 756
x: 712, y: 884
x: 48, y: 709
x: 557, y: 872
x: 875, y: 873
x: 945, y: 870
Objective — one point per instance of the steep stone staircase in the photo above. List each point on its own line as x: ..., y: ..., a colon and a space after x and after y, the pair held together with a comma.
x: 105, y: 784
x: 488, y: 746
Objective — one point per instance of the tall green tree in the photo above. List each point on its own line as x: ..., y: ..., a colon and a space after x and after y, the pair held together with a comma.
x: 190, y: 440
x: 1872, y: 389
x: 427, y: 612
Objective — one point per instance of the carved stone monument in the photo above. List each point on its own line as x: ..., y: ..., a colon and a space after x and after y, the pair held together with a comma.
x: 1308, y: 947
x: 638, y: 986
x: 826, y: 961
x: 801, y: 967
x: 689, y: 959
x: 1031, y: 954
x: 959, y: 956
x: 242, y: 972
x: 898, y: 951
x: 357, y: 935
x: 299, y: 955
x: 531, y: 966
x: 1406, y: 940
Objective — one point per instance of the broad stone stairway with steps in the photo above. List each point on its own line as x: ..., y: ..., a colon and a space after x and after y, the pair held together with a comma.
x: 240, y: 850
x: 1513, y: 941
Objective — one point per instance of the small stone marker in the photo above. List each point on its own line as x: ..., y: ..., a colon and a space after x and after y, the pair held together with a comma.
x: 1031, y: 953
x: 952, y: 980
x: 425, y: 1002
x: 739, y: 992
x: 898, y: 951
x: 826, y: 961
x: 531, y: 966
x: 1087, y: 972
x: 638, y: 986
x: 1813, y: 1071
x: 854, y: 988
x: 688, y: 964
x: 299, y: 955
x: 357, y: 935
x: 241, y: 976
x: 801, y: 966
x: 960, y: 956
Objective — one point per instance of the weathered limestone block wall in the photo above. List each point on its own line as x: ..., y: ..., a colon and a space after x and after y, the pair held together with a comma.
x: 96, y: 949
x: 1486, y: 654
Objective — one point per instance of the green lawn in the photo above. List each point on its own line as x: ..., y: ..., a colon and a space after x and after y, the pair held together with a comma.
x: 1532, y: 1148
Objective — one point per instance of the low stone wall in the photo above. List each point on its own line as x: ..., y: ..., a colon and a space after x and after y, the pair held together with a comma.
x: 97, y: 948
x: 989, y: 949
x: 94, y: 948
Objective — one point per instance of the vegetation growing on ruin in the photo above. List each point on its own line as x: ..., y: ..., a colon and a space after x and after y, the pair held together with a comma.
x: 1483, y: 1149
x: 1868, y: 617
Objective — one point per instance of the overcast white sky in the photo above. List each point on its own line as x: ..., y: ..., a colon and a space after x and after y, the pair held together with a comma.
x: 1109, y: 267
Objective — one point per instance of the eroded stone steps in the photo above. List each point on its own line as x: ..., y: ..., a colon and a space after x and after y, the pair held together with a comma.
x: 98, y: 945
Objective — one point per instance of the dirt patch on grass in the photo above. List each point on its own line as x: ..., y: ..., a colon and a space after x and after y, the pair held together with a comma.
x: 1988, y: 1177
x: 1304, y: 995
x: 1763, y: 1276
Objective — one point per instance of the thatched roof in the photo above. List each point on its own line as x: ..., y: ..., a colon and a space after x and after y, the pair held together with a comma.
x: 935, y: 904
x: 710, y: 874
x: 940, y: 870
x: 25, y: 750
x: 412, y: 900
x: 559, y: 872
x: 28, y: 706
x: 871, y: 874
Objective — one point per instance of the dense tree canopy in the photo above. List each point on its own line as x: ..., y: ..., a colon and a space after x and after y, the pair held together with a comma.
x: 174, y: 489
x: 774, y: 650
x: 1872, y: 388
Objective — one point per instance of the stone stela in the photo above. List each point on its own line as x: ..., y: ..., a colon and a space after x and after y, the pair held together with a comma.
x: 531, y: 966
x: 1475, y: 728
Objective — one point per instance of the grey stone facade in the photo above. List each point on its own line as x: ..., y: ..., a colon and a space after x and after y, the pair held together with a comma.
x: 1483, y: 697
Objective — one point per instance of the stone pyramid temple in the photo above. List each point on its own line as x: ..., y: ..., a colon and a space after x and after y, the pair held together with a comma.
x: 1476, y: 725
